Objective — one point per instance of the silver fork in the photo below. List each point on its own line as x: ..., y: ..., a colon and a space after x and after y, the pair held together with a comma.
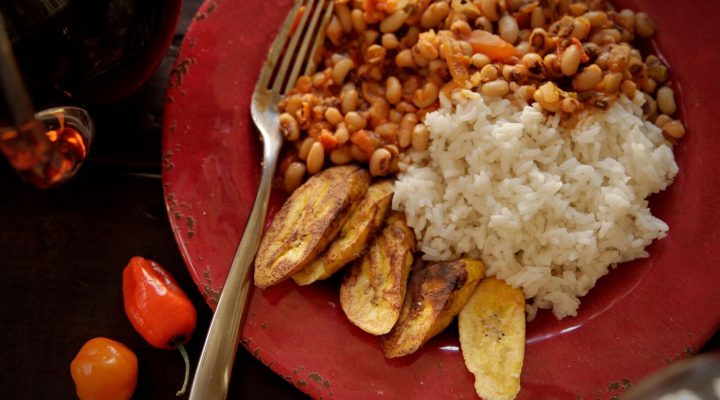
x: 213, y: 372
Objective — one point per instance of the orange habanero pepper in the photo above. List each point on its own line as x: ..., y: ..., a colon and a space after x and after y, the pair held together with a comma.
x: 104, y: 369
x: 158, y: 308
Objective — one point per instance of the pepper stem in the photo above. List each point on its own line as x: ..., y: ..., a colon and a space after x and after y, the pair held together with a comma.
x: 185, y: 357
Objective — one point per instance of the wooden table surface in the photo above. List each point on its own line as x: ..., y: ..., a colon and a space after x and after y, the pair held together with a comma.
x: 62, y: 252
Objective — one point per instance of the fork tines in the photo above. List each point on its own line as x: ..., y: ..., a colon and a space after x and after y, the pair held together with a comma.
x: 297, y: 45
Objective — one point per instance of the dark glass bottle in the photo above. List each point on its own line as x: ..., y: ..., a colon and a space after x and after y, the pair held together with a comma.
x: 72, y: 53
x: 87, y: 51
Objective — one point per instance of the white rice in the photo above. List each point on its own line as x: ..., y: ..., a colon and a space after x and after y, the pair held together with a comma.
x: 547, y: 209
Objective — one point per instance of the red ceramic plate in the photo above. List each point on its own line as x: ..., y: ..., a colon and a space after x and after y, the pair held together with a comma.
x: 639, y: 318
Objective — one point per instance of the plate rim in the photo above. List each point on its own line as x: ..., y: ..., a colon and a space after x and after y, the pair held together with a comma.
x: 177, y: 227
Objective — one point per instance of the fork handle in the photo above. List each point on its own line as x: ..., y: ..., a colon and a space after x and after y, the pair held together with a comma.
x: 213, y: 372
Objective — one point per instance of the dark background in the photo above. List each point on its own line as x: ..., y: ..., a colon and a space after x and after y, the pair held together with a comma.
x: 62, y: 252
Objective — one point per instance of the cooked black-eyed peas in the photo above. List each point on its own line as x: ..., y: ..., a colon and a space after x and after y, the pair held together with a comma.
x: 553, y: 66
x: 358, y: 154
x: 434, y: 14
x: 460, y: 28
x: 375, y: 54
x: 387, y: 130
x: 426, y: 96
x: 342, y: 135
x: 610, y: 83
x: 577, y: 9
x: 661, y: 120
x: 358, y: 21
x: 666, y: 100
x: 539, y: 40
x: 380, y: 162
x: 393, y: 22
x: 389, y: 41
x: 675, y: 129
x: 488, y: 73
x: 508, y: 29
x: 420, y: 137
x: 537, y: 18
x: 644, y: 26
x: 569, y: 105
x: 628, y: 88
x: 426, y: 46
x: 570, y: 60
x: 597, y: 19
x: 515, y: 73
x: 341, y: 69
x: 484, y: 23
x: 294, y: 175
x: 587, y: 78
x: 404, y: 59
x: 349, y: 101
x: 649, y: 106
x: 384, y: 68
x: 548, y: 96
x: 289, y: 127
x: 480, y: 60
x: 580, y: 28
x: 534, y: 63
x: 341, y: 155
x: 649, y: 85
x: 606, y: 37
x: 496, y: 88
x: 626, y: 19
x: 393, y: 90
x: 490, y: 9
x: 354, y: 121
x: 526, y: 92
x: 305, y: 148
x: 315, y: 158
x: 333, y: 115
x: 334, y: 31
x: 342, y: 11
x: 656, y: 69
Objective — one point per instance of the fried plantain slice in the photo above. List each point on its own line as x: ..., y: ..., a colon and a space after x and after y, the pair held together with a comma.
x: 353, y: 237
x: 308, y: 221
x: 436, y: 294
x: 373, y: 290
x: 492, y: 338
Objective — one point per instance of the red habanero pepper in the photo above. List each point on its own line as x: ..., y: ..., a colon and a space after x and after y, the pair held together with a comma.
x: 158, y: 308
